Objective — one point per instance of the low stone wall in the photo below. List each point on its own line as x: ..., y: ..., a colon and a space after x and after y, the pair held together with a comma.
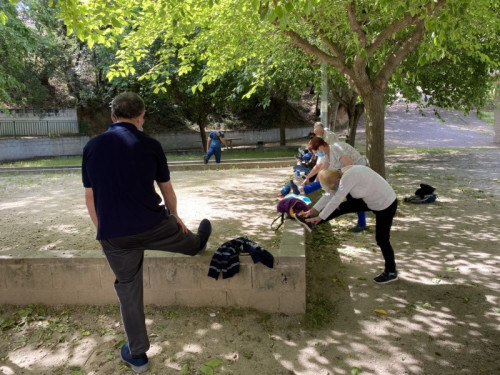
x: 29, y: 148
x: 168, y: 280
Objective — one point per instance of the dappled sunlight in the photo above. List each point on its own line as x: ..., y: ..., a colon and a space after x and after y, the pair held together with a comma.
x: 45, y: 357
x: 443, y: 310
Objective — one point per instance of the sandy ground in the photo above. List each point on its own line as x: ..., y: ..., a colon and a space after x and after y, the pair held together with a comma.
x: 441, y: 317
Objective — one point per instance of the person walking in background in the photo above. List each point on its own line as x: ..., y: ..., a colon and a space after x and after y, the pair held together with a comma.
x: 365, y: 190
x: 119, y: 170
x: 214, y: 144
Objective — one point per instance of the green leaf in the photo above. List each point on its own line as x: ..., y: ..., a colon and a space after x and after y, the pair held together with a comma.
x: 207, y: 370
x: 6, y: 323
x: 3, y: 18
x: 215, y: 362
x: 355, y: 371
x: 185, y: 370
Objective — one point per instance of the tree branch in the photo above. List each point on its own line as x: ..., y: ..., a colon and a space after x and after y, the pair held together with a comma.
x: 393, y: 60
x: 311, y: 49
x: 355, y: 25
x: 400, y: 24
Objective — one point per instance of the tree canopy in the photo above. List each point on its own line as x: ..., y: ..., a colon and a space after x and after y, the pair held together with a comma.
x: 366, y: 41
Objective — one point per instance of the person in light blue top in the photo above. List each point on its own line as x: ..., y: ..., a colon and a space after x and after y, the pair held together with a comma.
x: 214, y: 144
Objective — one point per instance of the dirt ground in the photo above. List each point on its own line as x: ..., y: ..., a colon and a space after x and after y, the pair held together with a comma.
x: 441, y: 317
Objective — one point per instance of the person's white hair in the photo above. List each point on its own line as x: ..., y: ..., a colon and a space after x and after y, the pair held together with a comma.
x: 318, y: 124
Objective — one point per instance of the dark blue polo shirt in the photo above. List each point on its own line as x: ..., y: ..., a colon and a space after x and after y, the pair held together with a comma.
x: 121, y: 166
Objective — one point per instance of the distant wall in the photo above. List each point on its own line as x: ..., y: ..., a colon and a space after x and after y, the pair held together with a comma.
x: 29, y: 148
x: 36, y: 147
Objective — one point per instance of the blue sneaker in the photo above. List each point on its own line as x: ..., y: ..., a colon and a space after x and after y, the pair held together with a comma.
x: 138, y: 365
x: 386, y: 277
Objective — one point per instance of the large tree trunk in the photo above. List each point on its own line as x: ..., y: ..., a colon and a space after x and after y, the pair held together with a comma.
x: 375, y: 109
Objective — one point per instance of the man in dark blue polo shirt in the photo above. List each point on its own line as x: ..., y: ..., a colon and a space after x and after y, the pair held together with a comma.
x: 119, y: 170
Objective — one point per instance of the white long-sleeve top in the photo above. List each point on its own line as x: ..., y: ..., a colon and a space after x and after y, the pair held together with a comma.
x: 363, y: 183
x: 337, y: 151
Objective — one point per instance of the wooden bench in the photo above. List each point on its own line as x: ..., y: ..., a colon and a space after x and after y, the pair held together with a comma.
x: 229, y: 142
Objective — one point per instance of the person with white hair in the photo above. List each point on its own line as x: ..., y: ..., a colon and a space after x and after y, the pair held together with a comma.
x: 329, y: 136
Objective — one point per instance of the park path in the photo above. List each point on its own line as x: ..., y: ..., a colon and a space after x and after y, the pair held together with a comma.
x: 477, y: 157
x: 422, y: 128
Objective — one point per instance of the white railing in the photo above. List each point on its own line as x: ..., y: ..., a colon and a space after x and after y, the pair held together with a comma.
x: 23, y: 128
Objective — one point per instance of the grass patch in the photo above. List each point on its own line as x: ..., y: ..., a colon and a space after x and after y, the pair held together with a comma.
x: 226, y: 155
x: 421, y: 151
x: 487, y: 116
x: 323, y: 265
x: 49, y: 162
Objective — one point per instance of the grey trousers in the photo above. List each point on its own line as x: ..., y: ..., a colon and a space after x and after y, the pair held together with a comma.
x: 125, y: 256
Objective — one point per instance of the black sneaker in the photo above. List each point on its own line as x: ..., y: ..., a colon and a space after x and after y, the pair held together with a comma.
x: 139, y: 364
x: 386, y: 277
x: 204, y: 231
x: 205, y: 160
x: 294, y: 187
x: 301, y: 219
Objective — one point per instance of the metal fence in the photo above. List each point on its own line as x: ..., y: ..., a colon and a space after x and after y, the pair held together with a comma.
x: 21, y: 128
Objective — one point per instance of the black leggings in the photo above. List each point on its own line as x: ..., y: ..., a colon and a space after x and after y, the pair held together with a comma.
x: 383, y: 224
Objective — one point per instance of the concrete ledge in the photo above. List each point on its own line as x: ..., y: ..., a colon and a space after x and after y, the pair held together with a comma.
x: 168, y: 280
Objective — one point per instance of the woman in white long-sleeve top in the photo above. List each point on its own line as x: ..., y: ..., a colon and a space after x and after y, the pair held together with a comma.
x: 365, y: 190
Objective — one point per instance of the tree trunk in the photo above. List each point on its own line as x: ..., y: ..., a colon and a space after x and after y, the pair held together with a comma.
x: 353, y: 123
x: 283, y: 122
x: 496, y: 117
x: 375, y: 109
x: 351, y: 115
x: 202, y: 121
x: 332, y: 114
x: 203, y: 134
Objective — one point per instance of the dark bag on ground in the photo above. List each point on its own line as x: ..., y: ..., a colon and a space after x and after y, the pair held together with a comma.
x: 289, y: 207
x: 424, y: 194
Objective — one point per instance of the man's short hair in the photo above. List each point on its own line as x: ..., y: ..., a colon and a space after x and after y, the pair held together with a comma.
x: 127, y: 105
x: 217, y: 124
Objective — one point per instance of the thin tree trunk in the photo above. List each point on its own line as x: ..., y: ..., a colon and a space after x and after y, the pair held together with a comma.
x: 283, y: 122
x: 374, y: 109
x: 353, y: 125
x: 203, y: 137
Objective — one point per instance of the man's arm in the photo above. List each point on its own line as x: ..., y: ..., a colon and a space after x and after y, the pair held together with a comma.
x: 170, y: 199
x: 89, y: 202
x: 221, y: 137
